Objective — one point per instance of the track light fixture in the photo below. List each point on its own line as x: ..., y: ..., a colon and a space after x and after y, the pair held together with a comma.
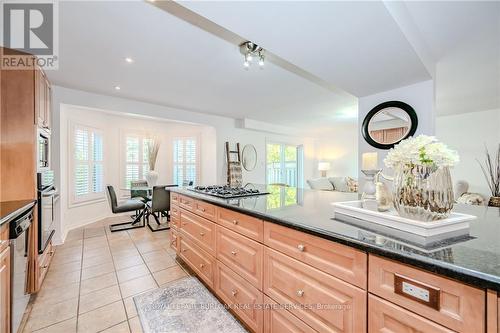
x: 251, y: 50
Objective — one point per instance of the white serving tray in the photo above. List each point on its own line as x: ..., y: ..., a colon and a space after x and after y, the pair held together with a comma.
x: 455, y: 224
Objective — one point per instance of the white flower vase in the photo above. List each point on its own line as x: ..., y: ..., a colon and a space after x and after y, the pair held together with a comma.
x: 152, y: 178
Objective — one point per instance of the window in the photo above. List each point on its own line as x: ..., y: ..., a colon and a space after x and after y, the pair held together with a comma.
x: 88, y: 164
x: 136, y: 158
x: 284, y: 164
x: 186, y: 160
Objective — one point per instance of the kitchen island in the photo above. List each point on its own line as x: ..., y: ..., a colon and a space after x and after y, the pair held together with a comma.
x: 286, y: 248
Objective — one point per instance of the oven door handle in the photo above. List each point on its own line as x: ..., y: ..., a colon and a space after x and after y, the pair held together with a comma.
x: 50, y: 193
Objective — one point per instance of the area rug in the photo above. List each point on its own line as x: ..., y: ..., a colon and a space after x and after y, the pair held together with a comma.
x: 184, y: 306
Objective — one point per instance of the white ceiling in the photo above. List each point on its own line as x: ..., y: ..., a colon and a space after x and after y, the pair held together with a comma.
x: 464, y: 39
x: 354, y: 46
x: 178, y: 64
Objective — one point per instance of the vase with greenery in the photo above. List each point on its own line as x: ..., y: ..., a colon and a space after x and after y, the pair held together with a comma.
x: 422, y: 187
x: 153, y: 147
x: 491, y: 171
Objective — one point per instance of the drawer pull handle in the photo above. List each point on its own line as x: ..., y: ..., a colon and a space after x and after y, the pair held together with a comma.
x: 300, y: 293
x: 202, y: 265
x: 202, y: 234
x: 235, y: 222
x: 233, y: 253
x: 234, y: 292
x: 301, y: 247
x: 203, y: 209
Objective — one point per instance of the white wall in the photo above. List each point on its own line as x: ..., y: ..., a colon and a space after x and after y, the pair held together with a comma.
x: 114, y: 127
x: 469, y: 133
x: 212, y: 156
x: 340, y: 149
x: 420, y: 96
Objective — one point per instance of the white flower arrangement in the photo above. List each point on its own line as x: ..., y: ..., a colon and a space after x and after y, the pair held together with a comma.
x: 422, y: 150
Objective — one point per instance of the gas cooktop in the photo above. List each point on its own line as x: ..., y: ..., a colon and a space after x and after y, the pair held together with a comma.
x: 227, y: 192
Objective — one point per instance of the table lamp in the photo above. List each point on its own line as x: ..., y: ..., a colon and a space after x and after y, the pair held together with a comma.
x: 323, y: 167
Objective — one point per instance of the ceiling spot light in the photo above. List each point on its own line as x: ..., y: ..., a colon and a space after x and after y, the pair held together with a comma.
x: 251, y: 50
x: 129, y: 60
x: 117, y: 88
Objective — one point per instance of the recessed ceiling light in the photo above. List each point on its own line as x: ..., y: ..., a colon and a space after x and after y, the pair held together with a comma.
x: 117, y: 88
x: 129, y: 60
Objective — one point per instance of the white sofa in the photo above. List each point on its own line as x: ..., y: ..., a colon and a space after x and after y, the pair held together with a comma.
x: 339, y: 184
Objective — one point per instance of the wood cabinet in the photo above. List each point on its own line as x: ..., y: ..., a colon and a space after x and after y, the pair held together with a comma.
x: 456, y: 306
x: 25, y: 107
x: 278, y: 320
x: 200, y: 261
x: 245, y: 300
x: 4, y: 280
x: 203, y: 231
x: 386, y: 317
x: 338, y: 260
x: 242, y: 255
x: 278, y: 279
x: 325, y: 303
x: 248, y: 226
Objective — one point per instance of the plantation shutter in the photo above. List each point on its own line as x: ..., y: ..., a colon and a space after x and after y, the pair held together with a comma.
x: 185, y: 161
x: 88, y: 167
x: 136, y: 158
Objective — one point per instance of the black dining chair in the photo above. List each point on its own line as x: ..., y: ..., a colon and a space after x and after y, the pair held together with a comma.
x: 123, y: 207
x: 158, y: 206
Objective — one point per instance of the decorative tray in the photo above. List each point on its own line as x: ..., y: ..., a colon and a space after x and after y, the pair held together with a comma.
x: 456, y: 224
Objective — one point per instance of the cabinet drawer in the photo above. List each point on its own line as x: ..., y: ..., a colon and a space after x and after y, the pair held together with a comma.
x: 242, y: 255
x: 174, y: 198
x: 174, y: 240
x: 338, y: 260
x: 451, y: 304
x: 279, y: 320
x: 243, y: 224
x: 201, y: 230
x: 288, y: 282
x: 200, y: 261
x: 385, y: 317
x: 175, y: 217
x: 206, y: 210
x: 243, y: 299
x: 44, y: 263
x: 186, y: 203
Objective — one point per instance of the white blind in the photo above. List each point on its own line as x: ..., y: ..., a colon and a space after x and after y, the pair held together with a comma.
x: 186, y: 160
x: 88, y: 159
x: 136, y: 158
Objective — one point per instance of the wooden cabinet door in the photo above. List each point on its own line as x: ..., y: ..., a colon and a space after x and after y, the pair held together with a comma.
x: 5, y: 291
x: 385, y: 317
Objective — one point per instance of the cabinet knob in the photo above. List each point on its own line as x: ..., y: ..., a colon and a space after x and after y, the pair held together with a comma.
x: 51, y: 253
x: 233, y: 253
x: 202, y: 265
x: 202, y: 234
x: 234, y: 292
x: 300, y: 293
x: 45, y: 266
x: 235, y: 222
x: 203, y: 209
x: 184, y: 250
x: 301, y: 247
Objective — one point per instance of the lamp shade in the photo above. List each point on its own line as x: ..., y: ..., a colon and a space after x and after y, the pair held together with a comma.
x: 324, y: 166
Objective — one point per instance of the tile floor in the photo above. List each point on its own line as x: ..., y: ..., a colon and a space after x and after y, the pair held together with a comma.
x: 95, y: 274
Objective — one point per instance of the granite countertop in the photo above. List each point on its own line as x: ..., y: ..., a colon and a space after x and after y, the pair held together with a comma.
x: 11, y: 209
x: 474, y: 259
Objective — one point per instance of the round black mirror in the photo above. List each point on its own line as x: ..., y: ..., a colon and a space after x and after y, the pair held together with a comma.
x: 389, y: 123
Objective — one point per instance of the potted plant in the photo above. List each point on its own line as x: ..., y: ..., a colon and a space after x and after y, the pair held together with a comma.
x: 491, y: 171
x: 153, y: 147
x: 422, y: 187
